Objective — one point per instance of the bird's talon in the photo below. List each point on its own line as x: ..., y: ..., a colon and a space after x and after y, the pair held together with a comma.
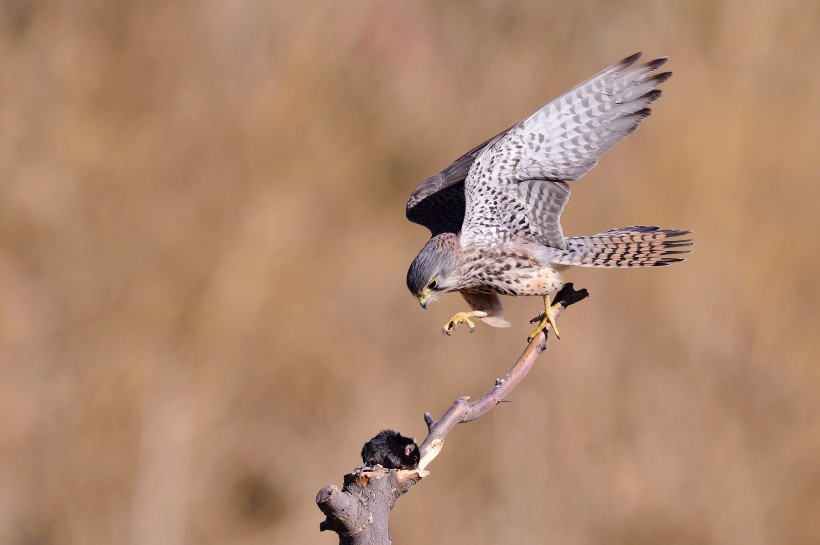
x: 537, y: 330
x: 460, y: 318
x: 547, y: 317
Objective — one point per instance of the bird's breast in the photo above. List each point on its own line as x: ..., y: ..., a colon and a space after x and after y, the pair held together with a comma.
x: 507, y: 272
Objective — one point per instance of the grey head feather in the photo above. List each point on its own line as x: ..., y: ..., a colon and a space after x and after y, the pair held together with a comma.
x: 438, y: 259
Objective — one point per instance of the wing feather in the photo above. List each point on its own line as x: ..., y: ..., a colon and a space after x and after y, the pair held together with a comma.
x: 525, y: 170
x: 565, y: 138
x: 438, y: 202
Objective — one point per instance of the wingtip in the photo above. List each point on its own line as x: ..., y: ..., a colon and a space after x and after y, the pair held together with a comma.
x: 659, y: 78
x: 629, y: 61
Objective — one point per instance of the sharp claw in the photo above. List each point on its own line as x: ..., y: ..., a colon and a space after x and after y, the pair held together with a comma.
x: 460, y: 318
x: 470, y: 324
x: 545, y: 318
x: 551, y: 319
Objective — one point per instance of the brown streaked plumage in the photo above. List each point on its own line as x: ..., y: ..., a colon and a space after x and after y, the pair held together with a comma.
x: 494, y: 214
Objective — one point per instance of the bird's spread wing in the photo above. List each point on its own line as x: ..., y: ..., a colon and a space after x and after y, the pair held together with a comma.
x: 438, y: 202
x: 517, y: 189
x: 544, y: 201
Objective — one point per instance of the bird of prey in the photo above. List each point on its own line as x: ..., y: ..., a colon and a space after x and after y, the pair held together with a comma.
x: 494, y: 214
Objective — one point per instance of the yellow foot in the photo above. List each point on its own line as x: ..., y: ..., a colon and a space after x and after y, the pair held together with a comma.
x: 545, y: 318
x: 461, y: 318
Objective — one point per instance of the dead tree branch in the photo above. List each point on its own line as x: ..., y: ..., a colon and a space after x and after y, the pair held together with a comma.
x: 359, y: 513
x: 462, y: 410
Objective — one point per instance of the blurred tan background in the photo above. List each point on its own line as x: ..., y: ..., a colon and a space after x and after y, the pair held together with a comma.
x: 203, y: 251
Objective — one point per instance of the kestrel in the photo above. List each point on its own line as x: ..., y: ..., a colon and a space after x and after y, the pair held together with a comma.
x: 494, y: 214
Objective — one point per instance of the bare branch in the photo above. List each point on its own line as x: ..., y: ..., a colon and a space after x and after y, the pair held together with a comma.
x: 359, y: 512
x: 463, y: 411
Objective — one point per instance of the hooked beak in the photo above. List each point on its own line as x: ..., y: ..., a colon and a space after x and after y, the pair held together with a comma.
x: 423, y: 301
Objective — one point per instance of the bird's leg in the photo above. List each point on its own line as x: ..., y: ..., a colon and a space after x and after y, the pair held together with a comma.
x: 546, y: 317
x: 462, y: 317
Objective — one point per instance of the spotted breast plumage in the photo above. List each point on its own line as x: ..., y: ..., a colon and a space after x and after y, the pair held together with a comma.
x: 494, y: 214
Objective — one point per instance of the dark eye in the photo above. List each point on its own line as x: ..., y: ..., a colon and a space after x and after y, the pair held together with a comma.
x: 432, y: 285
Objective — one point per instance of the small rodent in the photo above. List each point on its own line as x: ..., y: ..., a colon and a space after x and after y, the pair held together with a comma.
x: 391, y: 450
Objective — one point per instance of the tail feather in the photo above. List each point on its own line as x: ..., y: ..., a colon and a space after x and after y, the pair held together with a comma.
x: 636, y: 246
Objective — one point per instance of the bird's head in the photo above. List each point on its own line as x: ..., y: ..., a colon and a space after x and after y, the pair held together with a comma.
x: 433, y: 270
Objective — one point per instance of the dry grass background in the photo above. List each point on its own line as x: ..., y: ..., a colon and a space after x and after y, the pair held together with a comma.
x: 203, y: 249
